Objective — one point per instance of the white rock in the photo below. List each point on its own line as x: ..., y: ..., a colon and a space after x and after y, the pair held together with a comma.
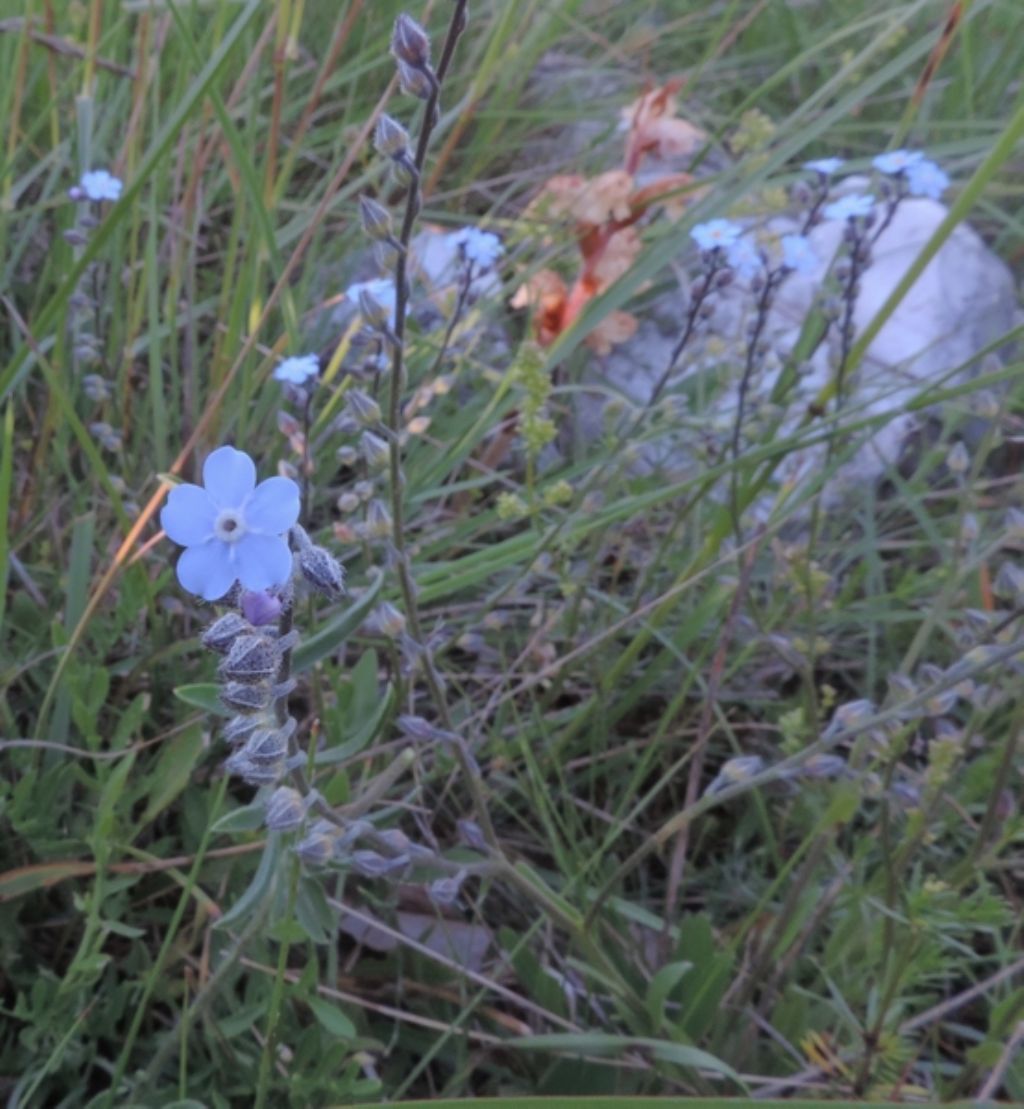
x: 963, y: 301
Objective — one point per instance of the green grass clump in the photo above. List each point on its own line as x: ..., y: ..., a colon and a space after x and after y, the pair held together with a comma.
x: 607, y: 643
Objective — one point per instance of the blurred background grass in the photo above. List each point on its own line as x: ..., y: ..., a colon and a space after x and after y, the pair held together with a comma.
x: 835, y: 929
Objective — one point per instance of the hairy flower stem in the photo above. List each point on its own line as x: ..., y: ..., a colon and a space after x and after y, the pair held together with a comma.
x: 394, y: 416
x: 764, y: 303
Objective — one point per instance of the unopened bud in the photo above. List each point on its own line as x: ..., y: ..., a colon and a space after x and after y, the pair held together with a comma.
x: 222, y: 633
x: 374, y: 313
x: 363, y: 407
x: 387, y: 620
x: 375, y: 218
x: 444, y: 892
x: 364, y: 490
x: 285, y: 810
x: 378, y: 520
x: 347, y: 456
x: 391, y: 139
x: 260, y: 607
x: 96, y: 388
x: 252, y: 659
x: 375, y: 450
x: 372, y: 865
x: 348, y: 502
x: 318, y: 847
x: 415, y: 82
x: 958, y: 460
x: 410, y: 43
x: 323, y: 571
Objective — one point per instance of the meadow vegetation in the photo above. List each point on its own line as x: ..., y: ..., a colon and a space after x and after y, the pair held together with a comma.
x: 593, y: 778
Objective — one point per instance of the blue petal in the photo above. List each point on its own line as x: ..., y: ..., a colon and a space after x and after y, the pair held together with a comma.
x: 206, y: 570
x: 262, y: 561
x: 188, y: 516
x: 273, y: 507
x: 229, y: 476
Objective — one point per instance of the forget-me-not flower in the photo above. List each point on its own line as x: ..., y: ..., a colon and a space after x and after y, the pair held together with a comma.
x: 232, y: 528
x: 381, y: 289
x: 850, y: 207
x: 825, y: 166
x: 482, y: 248
x: 926, y: 179
x: 298, y: 369
x: 715, y: 233
x: 744, y: 257
x: 798, y: 254
x: 897, y: 161
x: 97, y: 184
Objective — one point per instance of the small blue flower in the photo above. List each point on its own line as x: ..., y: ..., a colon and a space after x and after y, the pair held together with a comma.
x: 482, y: 248
x: 298, y: 369
x: 716, y: 233
x: 897, y: 161
x: 926, y: 179
x: 97, y: 184
x: 849, y: 207
x: 233, y: 529
x: 381, y: 289
x: 744, y: 257
x: 798, y: 254
x: 825, y: 166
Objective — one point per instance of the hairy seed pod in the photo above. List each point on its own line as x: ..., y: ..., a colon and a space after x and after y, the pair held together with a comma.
x: 323, y: 571
x: 266, y: 746
x: 246, y: 698
x: 252, y: 659
x: 363, y: 407
x: 285, y: 811
x: 222, y: 633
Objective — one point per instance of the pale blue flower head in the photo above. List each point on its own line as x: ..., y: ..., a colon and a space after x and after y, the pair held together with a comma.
x: 851, y: 206
x: 715, y: 233
x: 298, y: 369
x: 926, y: 179
x: 232, y: 528
x: 98, y: 184
x: 381, y: 289
x: 482, y: 248
x: 798, y: 254
x: 825, y: 166
x: 744, y: 257
x: 897, y: 161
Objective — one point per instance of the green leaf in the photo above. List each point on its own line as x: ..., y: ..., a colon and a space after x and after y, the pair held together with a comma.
x: 245, y: 819
x: 606, y: 1043
x: 260, y: 888
x: 203, y: 695
x: 661, y: 985
x: 173, y: 771
x: 331, y: 636
x: 333, y: 1019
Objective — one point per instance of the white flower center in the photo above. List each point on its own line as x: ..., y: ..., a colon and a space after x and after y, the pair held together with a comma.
x: 229, y: 526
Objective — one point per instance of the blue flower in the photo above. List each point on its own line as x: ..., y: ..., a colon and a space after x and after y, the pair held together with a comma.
x: 798, y: 254
x: 849, y: 207
x: 233, y: 529
x: 381, y: 289
x: 298, y: 369
x: 716, y: 233
x: 482, y: 248
x: 744, y: 257
x: 825, y: 166
x: 897, y: 161
x: 926, y: 179
x: 97, y: 184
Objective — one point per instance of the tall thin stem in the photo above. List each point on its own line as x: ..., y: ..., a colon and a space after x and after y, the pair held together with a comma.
x: 394, y: 415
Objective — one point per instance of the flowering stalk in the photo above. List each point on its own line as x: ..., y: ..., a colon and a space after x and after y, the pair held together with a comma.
x: 412, y: 168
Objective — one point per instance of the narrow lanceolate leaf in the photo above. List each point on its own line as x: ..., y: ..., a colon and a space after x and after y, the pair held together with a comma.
x: 331, y: 636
